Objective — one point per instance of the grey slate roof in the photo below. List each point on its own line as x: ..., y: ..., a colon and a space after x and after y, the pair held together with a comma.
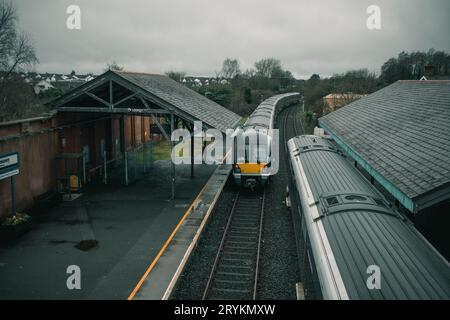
x: 403, y: 132
x: 184, y: 98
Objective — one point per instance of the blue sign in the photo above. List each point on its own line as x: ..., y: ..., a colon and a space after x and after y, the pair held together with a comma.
x: 9, y: 165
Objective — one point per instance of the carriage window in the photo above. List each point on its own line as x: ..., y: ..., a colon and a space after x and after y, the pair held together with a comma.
x: 239, y: 151
x: 332, y: 201
x: 247, y: 149
x: 251, y: 152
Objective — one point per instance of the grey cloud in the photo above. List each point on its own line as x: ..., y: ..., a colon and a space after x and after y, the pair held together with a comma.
x: 195, y: 36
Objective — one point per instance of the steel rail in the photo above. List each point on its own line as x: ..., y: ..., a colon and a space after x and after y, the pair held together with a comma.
x: 219, y: 251
x: 255, y: 287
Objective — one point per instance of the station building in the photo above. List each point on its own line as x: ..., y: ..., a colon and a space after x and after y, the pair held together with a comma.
x: 93, y: 127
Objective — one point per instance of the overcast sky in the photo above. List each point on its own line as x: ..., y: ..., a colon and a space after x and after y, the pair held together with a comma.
x: 195, y: 36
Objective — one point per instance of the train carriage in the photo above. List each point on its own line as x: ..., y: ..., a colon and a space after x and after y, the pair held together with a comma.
x: 252, y: 152
x: 358, y: 246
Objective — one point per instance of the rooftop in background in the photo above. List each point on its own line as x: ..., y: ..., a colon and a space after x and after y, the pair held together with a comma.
x: 130, y: 89
x: 334, y: 101
x: 400, y: 135
x: 33, y: 77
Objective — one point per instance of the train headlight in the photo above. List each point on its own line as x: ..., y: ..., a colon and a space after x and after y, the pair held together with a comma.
x: 266, y: 168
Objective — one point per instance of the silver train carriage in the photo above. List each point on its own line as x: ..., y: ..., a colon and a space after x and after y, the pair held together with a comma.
x: 356, y: 245
x: 252, y: 153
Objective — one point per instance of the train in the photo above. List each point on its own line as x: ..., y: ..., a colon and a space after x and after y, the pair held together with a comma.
x: 355, y: 245
x: 253, y: 162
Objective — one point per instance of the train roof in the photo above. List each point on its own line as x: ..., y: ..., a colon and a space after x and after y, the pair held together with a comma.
x: 262, y: 117
x: 363, y: 230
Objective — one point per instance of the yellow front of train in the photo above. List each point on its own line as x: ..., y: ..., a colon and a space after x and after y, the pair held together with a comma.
x: 252, y: 158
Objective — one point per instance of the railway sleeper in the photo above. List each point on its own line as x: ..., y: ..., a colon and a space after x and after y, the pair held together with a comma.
x: 247, y: 228
x: 232, y: 284
x: 241, y: 256
x: 235, y: 294
x: 237, y: 282
x: 236, y: 248
x: 236, y: 269
x: 243, y: 234
x: 237, y: 264
x: 240, y: 276
x: 238, y: 260
x: 245, y: 224
x: 251, y: 238
x: 247, y: 244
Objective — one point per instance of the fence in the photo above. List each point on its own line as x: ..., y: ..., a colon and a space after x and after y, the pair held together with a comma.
x: 124, y: 169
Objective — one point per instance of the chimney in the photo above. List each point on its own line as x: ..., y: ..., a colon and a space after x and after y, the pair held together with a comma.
x: 429, y: 70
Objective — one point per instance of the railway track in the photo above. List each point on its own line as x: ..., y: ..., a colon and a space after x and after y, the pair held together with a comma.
x: 290, y: 131
x: 231, y: 261
x: 234, y: 274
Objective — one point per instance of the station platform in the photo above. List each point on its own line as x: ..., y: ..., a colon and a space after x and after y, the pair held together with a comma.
x: 161, y: 276
x: 130, y: 224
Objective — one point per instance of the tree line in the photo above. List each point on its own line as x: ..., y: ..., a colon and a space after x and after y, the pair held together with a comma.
x: 242, y: 91
x: 17, y: 54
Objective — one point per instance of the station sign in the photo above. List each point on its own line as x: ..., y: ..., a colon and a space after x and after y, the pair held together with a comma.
x: 9, y: 165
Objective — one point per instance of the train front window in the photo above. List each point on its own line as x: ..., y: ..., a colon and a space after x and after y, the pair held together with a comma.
x: 255, y: 153
x: 252, y: 148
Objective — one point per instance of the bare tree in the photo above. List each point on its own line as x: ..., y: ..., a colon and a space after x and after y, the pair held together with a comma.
x: 8, y: 20
x: 16, y: 55
x: 16, y: 50
x: 230, y: 68
x: 21, y: 57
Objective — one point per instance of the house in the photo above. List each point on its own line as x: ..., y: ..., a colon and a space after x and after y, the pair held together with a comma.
x: 399, y: 136
x: 334, y: 101
x: 42, y: 86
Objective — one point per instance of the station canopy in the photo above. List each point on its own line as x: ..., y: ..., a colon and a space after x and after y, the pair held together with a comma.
x: 126, y: 92
x: 400, y: 135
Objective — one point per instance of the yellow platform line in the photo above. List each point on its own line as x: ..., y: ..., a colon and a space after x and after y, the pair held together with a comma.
x: 174, y: 232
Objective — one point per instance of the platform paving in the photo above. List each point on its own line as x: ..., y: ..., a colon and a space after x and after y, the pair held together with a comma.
x: 131, y: 224
x: 161, y: 278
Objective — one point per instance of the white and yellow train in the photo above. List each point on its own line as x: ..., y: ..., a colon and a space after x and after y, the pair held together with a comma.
x: 252, y: 152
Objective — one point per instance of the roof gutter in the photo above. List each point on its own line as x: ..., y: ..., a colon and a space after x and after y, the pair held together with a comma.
x: 432, y: 198
x: 44, y: 117
x: 407, y: 202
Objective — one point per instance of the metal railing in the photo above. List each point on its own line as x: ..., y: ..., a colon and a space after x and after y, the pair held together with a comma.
x: 124, y: 168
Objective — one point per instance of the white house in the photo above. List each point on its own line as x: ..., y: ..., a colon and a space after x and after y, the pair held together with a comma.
x: 42, y: 86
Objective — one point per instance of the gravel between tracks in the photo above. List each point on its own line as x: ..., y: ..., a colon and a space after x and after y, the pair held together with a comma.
x: 192, y: 281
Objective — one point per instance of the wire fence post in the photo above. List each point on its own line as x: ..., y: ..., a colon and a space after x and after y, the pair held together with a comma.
x: 172, y: 144
x: 126, y: 168
x: 84, y: 171
x: 151, y: 152
x: 105, y: 176
x: 135, y: 157
x: 13, y: 196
